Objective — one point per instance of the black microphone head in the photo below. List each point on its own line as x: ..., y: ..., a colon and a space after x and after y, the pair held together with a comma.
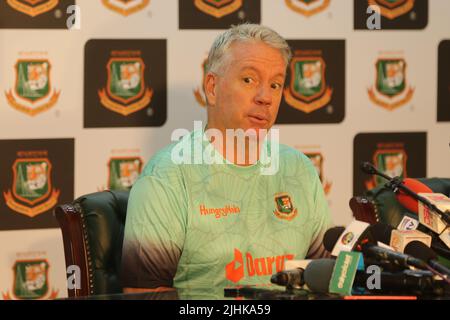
x: 367, y: 167
x: 420, y: 250
x: 381, y: 232
x: 331, y: 236
x: 318, y: 274
x: 280, y: 278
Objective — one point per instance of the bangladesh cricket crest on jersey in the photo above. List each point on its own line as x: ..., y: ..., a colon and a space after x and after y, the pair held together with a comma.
x: 317, y: 160
x: 33, y: 7
x: 218, y: 8
x: 199, y: 93
x: 33, y: 90
x: 123, y: 172
x: 308, y: 8
x: 32, y: 192
x: 392, y: 162
x: 125, y: 7
x: 392, y: 9
x: 391, y: 89
x: 308, y: 90
x: 285, y: 209
x: 126, y: 90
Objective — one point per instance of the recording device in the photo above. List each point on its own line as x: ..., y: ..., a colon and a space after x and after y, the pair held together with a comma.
x: 364, y: 242
x: 435, y: 222
x: 418, y: 249
x: 318, y: 274
x: 289, y: 278
x: 421, y: 251
x: 404, y: 187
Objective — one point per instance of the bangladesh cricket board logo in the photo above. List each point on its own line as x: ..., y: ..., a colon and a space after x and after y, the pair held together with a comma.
x: 392, y: 162
x: 218, y: 8
x: 32, y: 191
x: 33, y: 89
x: 391, y: 89
x: 123, y: 172
x: 392, y: 9
x: 285, y: 209
x: 125, y: 92
x: 31, y: 281
x: 308, y: 90
x: 33, y: 8
x: 317, y: 160
x: 307, y: 8
x: 199, y: 93
x: 125, y: 7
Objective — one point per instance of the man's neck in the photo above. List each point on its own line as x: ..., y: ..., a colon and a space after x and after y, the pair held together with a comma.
x: 239, y: 149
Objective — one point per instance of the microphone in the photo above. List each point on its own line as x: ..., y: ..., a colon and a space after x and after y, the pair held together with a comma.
x: 368, y: 168
x: 318, y: 274
x: 398, y: 239
x: 289, y: 278
x: 406, y: 200
x: 397, y: 184
x: 364, y: 244
x: 421, y: 251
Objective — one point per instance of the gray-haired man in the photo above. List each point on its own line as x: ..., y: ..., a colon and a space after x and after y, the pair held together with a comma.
x: 217, y: 225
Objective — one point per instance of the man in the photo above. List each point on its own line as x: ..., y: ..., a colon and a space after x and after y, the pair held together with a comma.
x: 192, y: 225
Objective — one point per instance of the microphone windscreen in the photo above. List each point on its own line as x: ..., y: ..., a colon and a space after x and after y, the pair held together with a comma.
x: 367, y: 167
x: 318, y: 274
x: 381, y: 232
x: 419, y: 250
x: 331, y: 236
x: 406, y: 200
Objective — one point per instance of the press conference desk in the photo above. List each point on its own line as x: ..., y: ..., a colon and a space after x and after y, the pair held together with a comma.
x: 249, y: 293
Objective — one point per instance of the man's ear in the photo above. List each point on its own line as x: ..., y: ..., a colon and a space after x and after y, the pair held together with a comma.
x: 210, y: 88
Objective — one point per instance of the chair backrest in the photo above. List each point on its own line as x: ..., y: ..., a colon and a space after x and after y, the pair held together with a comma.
x: 93, y: 229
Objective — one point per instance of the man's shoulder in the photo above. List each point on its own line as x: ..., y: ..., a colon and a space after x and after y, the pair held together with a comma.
x: 290, y: 154
x: 166, y: 162
x: 294, y: 162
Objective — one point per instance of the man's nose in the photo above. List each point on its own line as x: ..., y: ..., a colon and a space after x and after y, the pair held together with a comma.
x: 264, y: 95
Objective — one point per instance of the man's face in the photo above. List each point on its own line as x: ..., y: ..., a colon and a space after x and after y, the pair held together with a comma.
x: 247, y: 91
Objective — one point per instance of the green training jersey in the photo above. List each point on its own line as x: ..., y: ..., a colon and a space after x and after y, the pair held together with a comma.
x: 196, y: 226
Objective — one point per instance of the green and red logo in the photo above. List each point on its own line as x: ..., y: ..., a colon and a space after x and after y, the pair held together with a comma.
x: 308, y: 90
x: 126, y: 91
x: 391, y: 89
x: 123, y: 172
x: 285, y: 209
x: 31, y: 281
x: 32, y: 190
x: 33, y: 90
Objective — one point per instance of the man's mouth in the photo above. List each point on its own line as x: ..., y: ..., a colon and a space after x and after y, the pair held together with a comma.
x: 259, y: 119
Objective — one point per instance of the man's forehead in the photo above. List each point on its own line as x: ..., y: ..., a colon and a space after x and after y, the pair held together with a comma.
x: 251, y: 68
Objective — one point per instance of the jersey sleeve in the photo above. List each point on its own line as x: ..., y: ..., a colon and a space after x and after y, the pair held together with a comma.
x: 154, y: 233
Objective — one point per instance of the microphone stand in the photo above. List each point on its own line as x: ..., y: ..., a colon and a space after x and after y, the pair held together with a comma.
x: 397, y: 183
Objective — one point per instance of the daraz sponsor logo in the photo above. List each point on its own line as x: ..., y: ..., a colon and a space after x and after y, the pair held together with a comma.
x: 264, y: 266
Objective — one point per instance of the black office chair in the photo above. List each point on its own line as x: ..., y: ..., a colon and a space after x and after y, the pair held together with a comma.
x: 93, y: 229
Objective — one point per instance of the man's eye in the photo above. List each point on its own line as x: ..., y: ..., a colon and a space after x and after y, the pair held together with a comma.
x: 248, y: 80
x: 276, y: 85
